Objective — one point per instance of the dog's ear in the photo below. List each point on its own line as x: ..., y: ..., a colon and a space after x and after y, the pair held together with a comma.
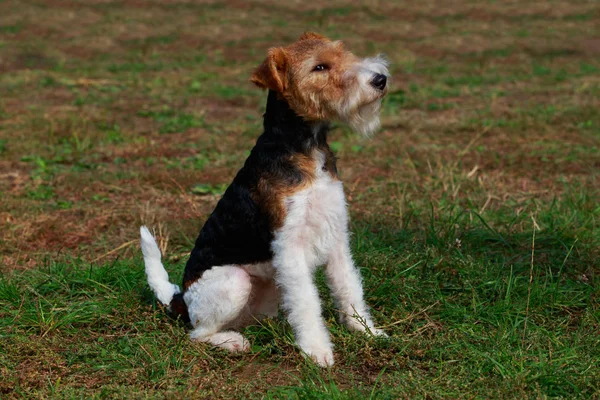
x: 312, y: 35
x: 271, y: 74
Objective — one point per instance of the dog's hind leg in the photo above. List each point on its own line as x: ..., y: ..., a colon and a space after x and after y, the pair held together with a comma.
x: 214, y: 302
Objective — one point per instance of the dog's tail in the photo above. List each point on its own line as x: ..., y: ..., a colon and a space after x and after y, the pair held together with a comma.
x: 167, y: 293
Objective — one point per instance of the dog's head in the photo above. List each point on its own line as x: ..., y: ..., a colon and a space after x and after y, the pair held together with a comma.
x: 322, y: 81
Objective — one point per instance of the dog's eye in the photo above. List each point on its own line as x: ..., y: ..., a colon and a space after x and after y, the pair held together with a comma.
x: 321, y: 67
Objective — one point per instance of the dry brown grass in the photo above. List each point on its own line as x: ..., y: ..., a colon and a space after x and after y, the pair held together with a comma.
x: 73, y: 71
x: 112, y: 112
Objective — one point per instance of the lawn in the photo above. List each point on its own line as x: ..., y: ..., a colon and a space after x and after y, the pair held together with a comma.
x: 475, y: 209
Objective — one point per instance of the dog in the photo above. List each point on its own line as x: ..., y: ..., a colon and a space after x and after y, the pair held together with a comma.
x: 285, y: 212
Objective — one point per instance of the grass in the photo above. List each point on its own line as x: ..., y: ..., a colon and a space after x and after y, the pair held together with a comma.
x: 475, y: 209
x: 463, y: 314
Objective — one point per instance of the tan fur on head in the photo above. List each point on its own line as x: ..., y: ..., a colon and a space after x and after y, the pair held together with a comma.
x: 311, y: 35
x: 271, y: 73
x: 322, y: 81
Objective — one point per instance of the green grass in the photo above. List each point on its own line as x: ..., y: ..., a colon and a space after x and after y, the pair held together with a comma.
x: 475, y: 210
x: 469, y: 308
x: 172, y: 122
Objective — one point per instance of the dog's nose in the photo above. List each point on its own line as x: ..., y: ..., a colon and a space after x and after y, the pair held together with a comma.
x: 379, y: 81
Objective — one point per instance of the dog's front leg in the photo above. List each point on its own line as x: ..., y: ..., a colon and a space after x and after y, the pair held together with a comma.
x: 300, y: 299
x: 345, y: 283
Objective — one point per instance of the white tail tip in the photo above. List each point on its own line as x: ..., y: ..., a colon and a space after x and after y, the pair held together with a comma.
x: 158, y: 279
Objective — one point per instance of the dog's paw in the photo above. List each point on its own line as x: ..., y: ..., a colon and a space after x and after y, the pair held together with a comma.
x: 377, y: 332
x: 362, y: 325
x: 236, y: 346
x: 322, y: 356
x: 232, y: 341
x: 320, y: 351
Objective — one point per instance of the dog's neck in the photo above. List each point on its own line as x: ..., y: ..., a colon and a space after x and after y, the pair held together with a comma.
x: 283, y: 125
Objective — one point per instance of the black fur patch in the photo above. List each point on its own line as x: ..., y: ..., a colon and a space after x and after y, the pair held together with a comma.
x: 179, y: 308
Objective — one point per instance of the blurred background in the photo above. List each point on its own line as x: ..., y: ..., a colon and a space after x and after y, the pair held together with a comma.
x: 475, y: 209
x: 114, y: 113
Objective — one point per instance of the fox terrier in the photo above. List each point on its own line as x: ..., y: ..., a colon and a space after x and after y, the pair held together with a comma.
x: 285, y: 213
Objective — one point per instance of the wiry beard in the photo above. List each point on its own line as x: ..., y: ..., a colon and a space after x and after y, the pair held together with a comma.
x: 361, y: 108
x: 365, y: 120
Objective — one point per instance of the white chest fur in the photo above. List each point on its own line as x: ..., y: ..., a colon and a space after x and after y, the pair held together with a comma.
x: 315, y: 221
